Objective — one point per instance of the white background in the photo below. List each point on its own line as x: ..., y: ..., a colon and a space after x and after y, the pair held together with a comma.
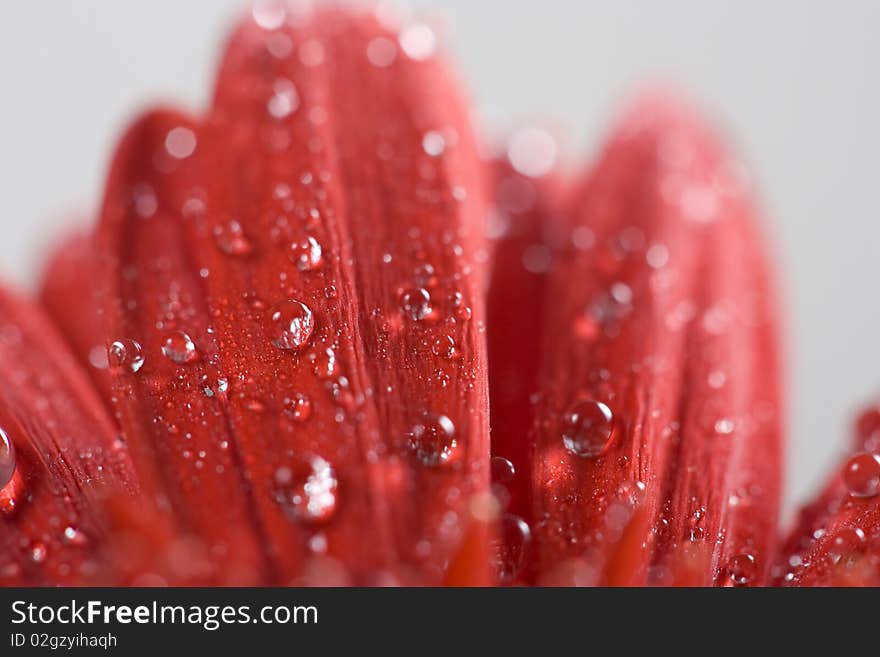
x: 795, y: 83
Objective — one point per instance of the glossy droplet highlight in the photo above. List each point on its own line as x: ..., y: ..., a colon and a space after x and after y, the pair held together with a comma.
x: 433, y: 440
x: 231, y: 240
x: 444, y: 346
x: 298, y: 407
x: 7, y: 458
x: 306, y: 254
x: 179, y: 348
x: 510, y: 548
x: 588, y: 428
x: 416, y: 303
x: 125, y: 356
x: 861, y: 474
x: 742, y: 570
x: 290, y: 324
x: 307, y: 489
x: 502, y: 470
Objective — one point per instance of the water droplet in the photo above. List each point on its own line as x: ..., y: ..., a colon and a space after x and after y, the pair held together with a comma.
x: 510, y: 548
x: 307, y: 488
x: 289, y: 325
x: 231, y: 239
x: 742, y: 569
x: 418, y: 41
x: 269, y: 14
x: 532, y: 152
x: 444, y: 347
x: 180, y: 142
x: 325, y: 364
x: 125, y: 356
x: 298, y: 406
x: 588, y: 428
x: 73, y: 536
x: 502, y: 470
x: 416, y: 303
x: 7, y: 458
x: 861, y: 474
x: 725, y: 426
x: 433, y: 143
x: 38, y: 552
x: 179, y: 348
x: 306, y: 254
x: 849, y: 541
x: 381, y: 52
x: 433, y: 440
x: 284, y: 99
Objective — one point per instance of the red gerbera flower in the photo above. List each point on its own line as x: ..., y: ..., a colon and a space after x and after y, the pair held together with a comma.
x: 272, y: 361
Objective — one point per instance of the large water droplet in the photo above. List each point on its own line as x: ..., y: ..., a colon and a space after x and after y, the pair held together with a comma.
x: 416, y: 303
x: 125, y: 356
x: 290, y: 324
x: 231, y: 239
x: 433, y: 440
x: 179, y: 348
x: 587, y: 428
x: 444, y: 346
x: 284, y: 99
x: 502, y: 470
x: 7, y: 458
x: 306, y: 254
x: 742, y: 569
x: 306, y: 489
x: 849, y: 542
x: 861, y: 474
x: 510, y: 549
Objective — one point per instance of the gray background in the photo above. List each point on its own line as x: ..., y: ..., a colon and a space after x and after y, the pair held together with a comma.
x: 794, y: 82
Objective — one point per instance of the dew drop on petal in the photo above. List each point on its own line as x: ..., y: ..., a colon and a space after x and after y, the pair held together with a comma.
x: 298, y: 406
x: 179, y: 348
x: 125, y: 356
x: 444, y: 347
x: 418, y: 41
x: 269, y: 14
x: 861, y: 474
x: 284, y: 99
x: 325, y: 363
x: 742, y: 570
x: 433, y: 143
x: 416, y: 303
x: 849, y: 541
x: 7, y: 458
x: 433, y: 440
x: 381, y: 52
x: 231, y: 239
x: 532, y: 152
x: 307, y: 489
x: 290, y: 324
x: 180, y: 142
x: 588, y: 428
x: 306, y: 254
x: 502, y: 470
x: 73, y: 536
x: 511, y: 547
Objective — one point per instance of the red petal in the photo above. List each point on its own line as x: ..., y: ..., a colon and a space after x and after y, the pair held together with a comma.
x: 836, y: 539
x: 665, y: 323
x: 66, y: 459
x: 279, y: 462
x: 71, y: 295
x: 529, y: 233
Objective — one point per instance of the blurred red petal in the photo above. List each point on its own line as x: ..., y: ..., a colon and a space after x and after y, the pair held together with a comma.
x: 60, y: 457
x: 658, y: 417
